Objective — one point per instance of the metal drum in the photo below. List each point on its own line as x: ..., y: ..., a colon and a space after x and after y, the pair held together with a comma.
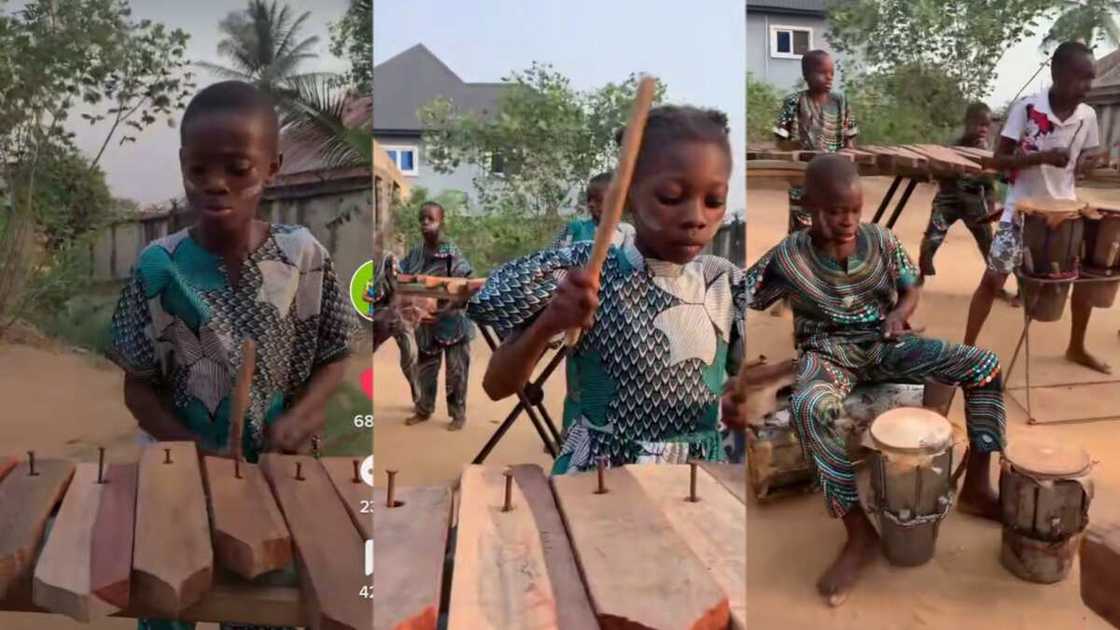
x: 1044, y: 493
x: 911, y: 481
x: 1053, y: 232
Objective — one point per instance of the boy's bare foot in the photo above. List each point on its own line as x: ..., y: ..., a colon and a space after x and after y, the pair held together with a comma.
x: 1081, y: 356
x: 860, y: 550
x: 456, y: 425
x: 978, y: 497
x: 416, y: 419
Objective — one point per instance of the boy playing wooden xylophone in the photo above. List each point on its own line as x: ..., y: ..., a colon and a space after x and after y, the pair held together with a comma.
x: 197, y: 294
x: 1047, y: 139
x: 852, y: 288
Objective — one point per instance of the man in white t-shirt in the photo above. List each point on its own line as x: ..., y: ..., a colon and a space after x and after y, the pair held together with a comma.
x: 1047, y: 140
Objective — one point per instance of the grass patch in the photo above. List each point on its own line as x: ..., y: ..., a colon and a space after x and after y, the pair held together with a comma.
x: 341, y: 437
x: 82, y: 321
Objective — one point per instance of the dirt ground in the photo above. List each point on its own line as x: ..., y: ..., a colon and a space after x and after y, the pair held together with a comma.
x: 790, y: 542
x: 62, y: 403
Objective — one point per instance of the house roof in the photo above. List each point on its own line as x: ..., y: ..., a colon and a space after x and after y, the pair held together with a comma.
x: 788, y: 7
x: 1108, y: 70
x: 405, y: 83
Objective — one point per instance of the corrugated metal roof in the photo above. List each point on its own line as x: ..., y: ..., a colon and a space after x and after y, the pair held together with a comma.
x: 816, y: 7
x: 407, y: 82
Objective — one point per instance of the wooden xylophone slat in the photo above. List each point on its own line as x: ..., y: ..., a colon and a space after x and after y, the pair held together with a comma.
x: 714, y: 527
x: 501, y: 579
x: 65, y: 571
x: 354, y: 492
x: 6, y: 465
x: 639, y: 573
x: 250, y: 536
x: 173, y: 559
x: 26, y: 502
x: 328, y: 547
x: 114, y: 533
x: 412, y: 541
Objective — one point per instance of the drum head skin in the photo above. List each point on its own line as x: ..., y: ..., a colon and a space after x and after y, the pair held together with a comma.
x: 1041, y: 205
x: 912, y: 430
x: 1050, y: 460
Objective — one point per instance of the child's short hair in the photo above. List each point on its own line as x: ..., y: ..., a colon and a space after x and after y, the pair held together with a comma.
x: 231, y: 96
x: 976, y: 109
x: 810, y: 59
x: 434, y: 204
x: 601, y: 179
x: 675, y: 123
x: 1067, y: 52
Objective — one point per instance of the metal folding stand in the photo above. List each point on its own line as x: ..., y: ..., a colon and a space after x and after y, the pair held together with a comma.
x: 1025, y: 340
x: 911, y: 184
x: 530, y: 401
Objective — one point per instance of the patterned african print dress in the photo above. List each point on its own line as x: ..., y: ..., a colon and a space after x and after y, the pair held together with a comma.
x: 645, y: 382
x: 180, y: 324
x: 839, y: 313
x: 828, y: 126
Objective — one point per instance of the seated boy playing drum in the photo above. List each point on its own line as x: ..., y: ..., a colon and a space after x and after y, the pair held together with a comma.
x: 1046, y: 140
x: 852, y: 288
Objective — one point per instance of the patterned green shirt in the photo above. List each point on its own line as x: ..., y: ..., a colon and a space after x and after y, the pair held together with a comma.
x: 816, y: 127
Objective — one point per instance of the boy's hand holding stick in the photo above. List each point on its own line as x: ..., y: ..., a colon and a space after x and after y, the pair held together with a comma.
x: 240, y: 402
x: 619, y: 187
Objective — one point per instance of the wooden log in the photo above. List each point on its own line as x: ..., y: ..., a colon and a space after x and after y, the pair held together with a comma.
x: 26, y: 502
x: 1100, y: 571
x: 327, y: 545
x: 355, y: 494
x: 113, y: 535
x: 573, y: 605
x: 714, y: 526
x: 732, y: 476
x: 412, y: 541
x: 500, y: 578
x: 250, y: 537
x: 64, y: 573
x: 638, y: 571
x: 173, y: 559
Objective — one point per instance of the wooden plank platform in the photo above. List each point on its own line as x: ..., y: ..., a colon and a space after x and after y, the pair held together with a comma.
x: 250, y: 536
x: 412, y: 540
x: 638, y: 571
x: 714, y: 527
x: 64, y: 573
x: 328, y: 547
x: 173, y: 559
x: 500, y: 578
x: 355, y: 494
x: 26, y: 502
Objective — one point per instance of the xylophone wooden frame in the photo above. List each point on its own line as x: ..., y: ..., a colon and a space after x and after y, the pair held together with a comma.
x: 1025, y: 344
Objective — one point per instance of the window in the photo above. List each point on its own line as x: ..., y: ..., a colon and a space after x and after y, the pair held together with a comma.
x: 497, y: 164
x: 405, y: 158
x: 790, y: 42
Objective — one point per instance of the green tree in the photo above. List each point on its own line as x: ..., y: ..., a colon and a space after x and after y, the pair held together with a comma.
x: 763, y: 101
x: 965, y: 39
x: 56, y: 59
x: 1089, y: 21
x: 914, y: 103
x: 547, y: 137
x: 264, y: 45
x: 352, y: 39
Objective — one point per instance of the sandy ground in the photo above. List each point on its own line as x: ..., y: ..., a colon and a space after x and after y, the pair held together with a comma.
x: 790, y: 542
x: 428, y: 453
x: 62, y: 403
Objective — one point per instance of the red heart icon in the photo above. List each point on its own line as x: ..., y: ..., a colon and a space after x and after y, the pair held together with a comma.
x: 367, y: 383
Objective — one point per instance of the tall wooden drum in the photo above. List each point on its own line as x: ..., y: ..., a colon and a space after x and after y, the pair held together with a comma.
x: 911, y: 481
x: 1044, y: 491
x: 1053, y: 232
x: 1102, y: 257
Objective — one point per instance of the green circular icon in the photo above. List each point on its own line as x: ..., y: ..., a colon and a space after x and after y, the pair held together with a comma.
x: 361, y: 289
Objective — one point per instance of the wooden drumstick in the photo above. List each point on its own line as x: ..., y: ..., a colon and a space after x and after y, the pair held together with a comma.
x: 619, y: 186
x: 240, y: 403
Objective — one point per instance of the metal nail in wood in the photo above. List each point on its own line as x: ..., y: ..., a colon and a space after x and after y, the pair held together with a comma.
x: 692, y: 498
x: 601, y: 467
x: 509, y: 492
x: 390, y: 488
x: 101, y: 464
x: 31, y: 464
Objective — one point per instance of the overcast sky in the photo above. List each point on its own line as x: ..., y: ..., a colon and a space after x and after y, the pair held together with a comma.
x: 697, y: 49
x: 148, y: 170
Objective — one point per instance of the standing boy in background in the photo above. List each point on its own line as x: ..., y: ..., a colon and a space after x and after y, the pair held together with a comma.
x: 196, y: 295
x: 451, y: 333
x: 1047, y: 139
x: 580, y: 230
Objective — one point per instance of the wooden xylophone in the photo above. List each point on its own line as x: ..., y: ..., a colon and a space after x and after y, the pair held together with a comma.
x: 627, y: 549
x: 176, y: 536
x: 916, y: 161
x: 458, y: 289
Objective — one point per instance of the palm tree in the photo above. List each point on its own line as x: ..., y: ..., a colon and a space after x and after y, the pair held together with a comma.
x: 1087, y: 21
x: 265, y: 46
